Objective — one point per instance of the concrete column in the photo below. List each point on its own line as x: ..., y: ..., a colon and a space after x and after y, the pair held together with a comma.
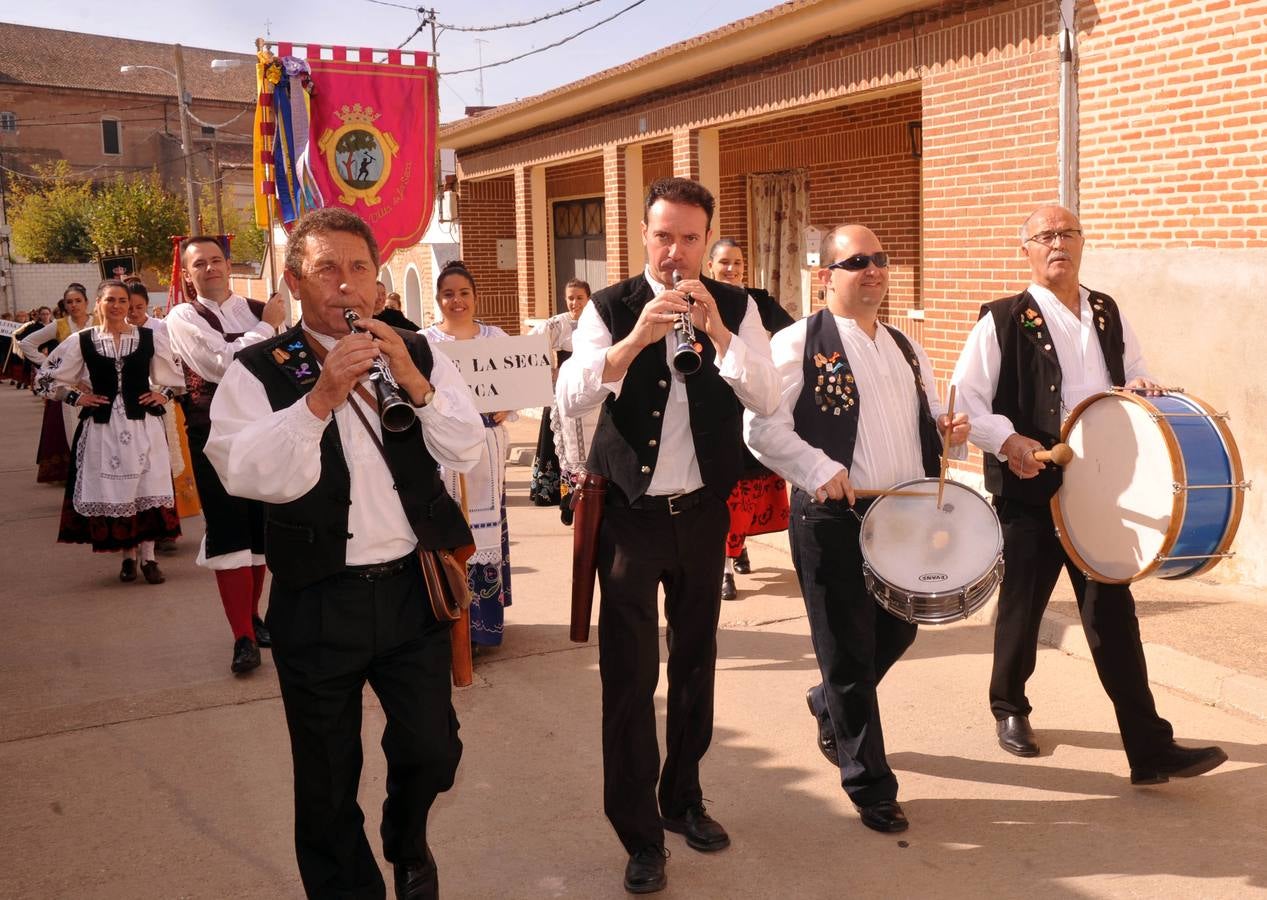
x: 532, y: 249
x: 635, y: 194
x: 707, y: 152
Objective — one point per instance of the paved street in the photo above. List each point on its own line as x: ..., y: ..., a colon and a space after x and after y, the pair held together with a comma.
x: 133, y: 765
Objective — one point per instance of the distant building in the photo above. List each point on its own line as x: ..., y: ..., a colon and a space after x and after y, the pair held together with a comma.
x: 62, y: 97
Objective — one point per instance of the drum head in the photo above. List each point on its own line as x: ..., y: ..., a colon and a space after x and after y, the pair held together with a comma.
x: 918, y: 548
x: 1117, y: 499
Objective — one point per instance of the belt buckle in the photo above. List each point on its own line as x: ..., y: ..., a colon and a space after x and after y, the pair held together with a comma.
x: 672, y: 497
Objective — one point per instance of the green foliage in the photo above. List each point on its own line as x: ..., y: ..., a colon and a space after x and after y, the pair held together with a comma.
x: 250, y: 242
x: 50, y: 216
x: 137, y: 212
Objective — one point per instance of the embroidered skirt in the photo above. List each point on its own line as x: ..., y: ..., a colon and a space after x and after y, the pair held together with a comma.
x: 757, y: 506
x: 490, y: 592
x: 543, y: 490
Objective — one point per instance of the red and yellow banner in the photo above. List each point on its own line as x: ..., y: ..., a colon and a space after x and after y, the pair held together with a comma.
x: 372, y: 142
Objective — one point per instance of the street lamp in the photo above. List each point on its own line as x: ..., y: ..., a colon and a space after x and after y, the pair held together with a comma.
x: 186, y: 144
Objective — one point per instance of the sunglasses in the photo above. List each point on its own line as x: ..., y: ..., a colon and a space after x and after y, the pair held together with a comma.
x: 860, y: 261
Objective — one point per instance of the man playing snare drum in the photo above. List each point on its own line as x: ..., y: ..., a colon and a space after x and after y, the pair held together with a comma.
x: 859, y: 411
x: 1028, y: 362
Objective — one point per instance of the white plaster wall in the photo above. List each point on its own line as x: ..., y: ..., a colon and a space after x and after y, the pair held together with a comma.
x: 42, y: 284
x: 1200, y: 316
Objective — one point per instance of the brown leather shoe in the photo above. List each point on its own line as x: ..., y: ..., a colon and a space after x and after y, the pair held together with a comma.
x: 1016, y: 737
x: 153, y: 574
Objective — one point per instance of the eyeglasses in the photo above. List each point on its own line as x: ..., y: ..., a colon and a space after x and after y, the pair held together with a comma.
x: 1048, y: 238
x: 860, y: 261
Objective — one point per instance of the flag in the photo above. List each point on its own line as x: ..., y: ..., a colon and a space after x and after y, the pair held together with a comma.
x: 372, y: 142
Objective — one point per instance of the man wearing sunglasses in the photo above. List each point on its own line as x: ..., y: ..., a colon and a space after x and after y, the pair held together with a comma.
x: 1057, y: 342
x: 859, y: 411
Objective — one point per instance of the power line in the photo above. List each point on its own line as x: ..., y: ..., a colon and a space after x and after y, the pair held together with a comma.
x: 541, y: 18
x: 557, y: 43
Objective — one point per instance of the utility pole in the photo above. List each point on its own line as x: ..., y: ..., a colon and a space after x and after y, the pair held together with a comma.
x: 215, y: 182
x: 480, y: 42
x: 186, y: 144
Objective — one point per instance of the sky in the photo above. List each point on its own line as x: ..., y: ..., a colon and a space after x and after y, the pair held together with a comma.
x: 235, y: 24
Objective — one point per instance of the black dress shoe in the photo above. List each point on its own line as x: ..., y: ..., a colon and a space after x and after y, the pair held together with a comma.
x: 1178, y: 762
x: 702, y: 831
x: 246, y: 656
x: 418, y: 881
x: 742, y: 566
x: 263, y: 638
x: 826, y: 741
x: 127, y: 572
x: 884, y: 816
x: 1016, y: 737
x: 728, y: 591
x: 644, y: 873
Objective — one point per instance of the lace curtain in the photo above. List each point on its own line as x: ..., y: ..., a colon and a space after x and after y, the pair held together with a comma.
x: 778, y: 213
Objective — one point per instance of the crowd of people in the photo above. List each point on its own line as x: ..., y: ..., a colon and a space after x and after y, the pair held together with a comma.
x: 779, y: 423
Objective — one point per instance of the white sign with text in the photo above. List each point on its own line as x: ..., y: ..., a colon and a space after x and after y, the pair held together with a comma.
x: 504, y: 373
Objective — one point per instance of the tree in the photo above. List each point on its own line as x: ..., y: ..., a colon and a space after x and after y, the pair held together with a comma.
x: 138, y: 212
x: 50, y: 216
x: 250, y: 242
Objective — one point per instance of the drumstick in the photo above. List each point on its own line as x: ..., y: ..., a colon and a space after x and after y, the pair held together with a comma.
x: 945, y: 446
x: 1060, y: 454
x: 891, y: 492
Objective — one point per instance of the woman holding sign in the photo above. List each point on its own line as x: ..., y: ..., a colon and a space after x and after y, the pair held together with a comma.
x: 489, y: 569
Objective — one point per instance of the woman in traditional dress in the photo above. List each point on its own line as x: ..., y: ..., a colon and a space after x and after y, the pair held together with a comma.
x: 53, y: 455
x: 562, y: 443
x: 758, y: 504
x: 119, y: 492
x: 488, y: 570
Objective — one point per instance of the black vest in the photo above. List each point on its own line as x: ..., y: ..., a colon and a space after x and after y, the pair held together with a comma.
x: 827, y: 410
x: 199, y: 392
x: 306, y: 539
x: 105, y: 377
x: 1029, y: 384
x: 627, y: 440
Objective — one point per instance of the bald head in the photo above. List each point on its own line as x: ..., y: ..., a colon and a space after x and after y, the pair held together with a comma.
x: 838, y: 243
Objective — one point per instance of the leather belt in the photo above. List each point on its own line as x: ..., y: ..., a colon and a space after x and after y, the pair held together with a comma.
x: 670, y: 503
x: 380, y: 570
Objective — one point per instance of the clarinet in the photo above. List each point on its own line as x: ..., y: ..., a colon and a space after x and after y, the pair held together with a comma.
x: 686, y: 357
x: 394, y: 411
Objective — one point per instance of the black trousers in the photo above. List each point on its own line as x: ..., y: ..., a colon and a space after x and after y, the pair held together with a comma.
x: 638, y: 551
x: 856, y: 642
x: 328, y: 641
x: 232, y: 523
x: 1033, y: 558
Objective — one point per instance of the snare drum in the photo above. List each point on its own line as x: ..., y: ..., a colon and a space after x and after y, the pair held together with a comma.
x: 929, y: 565
x: 1155, y: 487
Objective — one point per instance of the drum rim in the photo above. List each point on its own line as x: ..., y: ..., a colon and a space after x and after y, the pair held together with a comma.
x: 1178, y: 470
x: 998, y: 549
x: 1238, y: 477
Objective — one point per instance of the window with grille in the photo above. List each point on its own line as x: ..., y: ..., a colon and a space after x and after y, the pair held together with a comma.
x: 111, y: 137
x: 8, y: 122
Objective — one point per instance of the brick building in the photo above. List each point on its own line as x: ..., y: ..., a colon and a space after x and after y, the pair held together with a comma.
x: 941, y: 125
x: 62, y: 97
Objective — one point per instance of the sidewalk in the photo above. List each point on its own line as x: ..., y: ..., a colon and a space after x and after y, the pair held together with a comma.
x: 1202, y: 636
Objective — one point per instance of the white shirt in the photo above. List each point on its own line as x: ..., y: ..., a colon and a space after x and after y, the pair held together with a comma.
x: 888, y: 450
x: 745, y: 367
x: 65, y: 370
x: 203, y: 349
x: 276, y: 456
x: 1083, y: 371
x: 30, y: 344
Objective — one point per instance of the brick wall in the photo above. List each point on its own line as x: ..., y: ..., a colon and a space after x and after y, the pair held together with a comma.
x: 488, y: 213
x: 860, y: 167
x: 583, y: 178
x: 657, y: 161
x: 1174, y: 123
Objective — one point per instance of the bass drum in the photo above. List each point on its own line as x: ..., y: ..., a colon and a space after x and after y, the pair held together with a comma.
x: 1155, y: 487
x: 928, y: 565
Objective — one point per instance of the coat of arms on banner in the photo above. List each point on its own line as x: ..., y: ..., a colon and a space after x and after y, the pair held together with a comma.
x: 358, y: 155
